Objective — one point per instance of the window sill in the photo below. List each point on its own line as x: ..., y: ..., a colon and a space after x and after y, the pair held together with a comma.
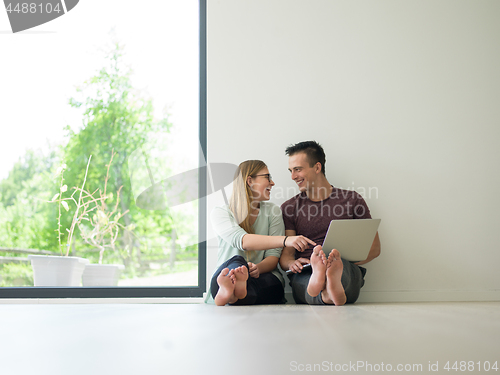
x: 36, y: 301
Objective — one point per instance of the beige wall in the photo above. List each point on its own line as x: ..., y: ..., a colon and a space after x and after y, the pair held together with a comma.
x: 403, y: 95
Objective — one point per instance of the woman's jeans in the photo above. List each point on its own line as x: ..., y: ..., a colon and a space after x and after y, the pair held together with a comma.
x: 266, y: 289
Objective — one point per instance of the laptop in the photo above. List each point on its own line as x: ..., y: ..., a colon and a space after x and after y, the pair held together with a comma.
x: 352, y: 238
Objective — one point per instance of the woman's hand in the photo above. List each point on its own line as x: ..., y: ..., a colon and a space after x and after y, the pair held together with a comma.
x: 253, y: 270
x: 300, y: 243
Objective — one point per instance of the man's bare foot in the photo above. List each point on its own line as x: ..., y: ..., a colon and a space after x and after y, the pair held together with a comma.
x: 318, y: 277
x: 226, y: 288
x: 334, y: 268
x: 240, y: 286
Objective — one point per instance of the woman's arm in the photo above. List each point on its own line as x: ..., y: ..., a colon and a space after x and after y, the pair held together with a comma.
x: 262, y: 242
x: 275, y: 241
x: 226, y: 227
x: 287, y: 259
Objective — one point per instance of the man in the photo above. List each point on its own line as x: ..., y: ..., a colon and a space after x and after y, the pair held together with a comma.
x: 332, y: 280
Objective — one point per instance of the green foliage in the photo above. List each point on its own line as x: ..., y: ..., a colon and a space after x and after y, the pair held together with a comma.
x: 16, y: 274
x: 34, y: 163
x: 116, y: 118
x: 25, y: 219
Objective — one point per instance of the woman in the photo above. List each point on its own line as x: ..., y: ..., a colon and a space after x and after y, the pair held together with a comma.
x: 250, y: 232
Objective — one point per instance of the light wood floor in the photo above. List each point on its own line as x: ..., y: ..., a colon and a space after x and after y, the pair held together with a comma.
x: 200, y: 339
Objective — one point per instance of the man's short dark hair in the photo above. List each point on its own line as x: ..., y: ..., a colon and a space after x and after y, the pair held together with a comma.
x: 312, y: 149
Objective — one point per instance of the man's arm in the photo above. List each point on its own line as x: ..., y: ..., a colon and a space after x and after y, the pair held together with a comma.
x: 287, y: 259
x: 374, y: 251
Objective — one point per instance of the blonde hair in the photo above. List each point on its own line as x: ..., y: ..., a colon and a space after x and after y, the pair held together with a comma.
x: 241, y: 198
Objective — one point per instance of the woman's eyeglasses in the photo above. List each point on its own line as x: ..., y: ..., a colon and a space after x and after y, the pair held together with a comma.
x: 267, y: 175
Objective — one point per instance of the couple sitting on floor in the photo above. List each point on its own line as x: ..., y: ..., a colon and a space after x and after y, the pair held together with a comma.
x: 254, y: 235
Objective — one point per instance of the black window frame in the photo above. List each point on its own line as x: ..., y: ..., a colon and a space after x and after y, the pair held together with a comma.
x: 152, y: 291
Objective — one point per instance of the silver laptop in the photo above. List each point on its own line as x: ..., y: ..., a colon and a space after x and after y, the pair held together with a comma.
x: 352, y: 238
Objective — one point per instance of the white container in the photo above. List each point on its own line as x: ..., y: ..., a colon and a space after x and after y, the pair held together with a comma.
x: 102, y: 274
x: 53, y: 270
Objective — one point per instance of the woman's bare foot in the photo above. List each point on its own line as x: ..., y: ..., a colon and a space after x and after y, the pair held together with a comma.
x: 318, y: 277
x: 334, y: 286
x: 240, y: 286
x: 226, y: 288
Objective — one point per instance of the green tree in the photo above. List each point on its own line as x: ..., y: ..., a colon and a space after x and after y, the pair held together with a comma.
x: 33, y: 163
x: 115, y: 118
x: 26, y: 220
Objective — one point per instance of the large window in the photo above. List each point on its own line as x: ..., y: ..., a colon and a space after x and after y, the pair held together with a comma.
x: 103, y: 135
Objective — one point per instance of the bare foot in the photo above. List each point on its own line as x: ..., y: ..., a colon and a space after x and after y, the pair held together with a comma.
x: 240, y: 286
x: 334, y: 286
x: 226, y: 288
x: 318, y: 277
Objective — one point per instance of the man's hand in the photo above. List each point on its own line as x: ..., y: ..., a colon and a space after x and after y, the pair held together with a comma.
x: 253, y: 270
x: 299, y: 243
x: 296, y: 266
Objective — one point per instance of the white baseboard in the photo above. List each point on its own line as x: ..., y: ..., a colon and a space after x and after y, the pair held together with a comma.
x: 423, y: 296
x: 430, y: 296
